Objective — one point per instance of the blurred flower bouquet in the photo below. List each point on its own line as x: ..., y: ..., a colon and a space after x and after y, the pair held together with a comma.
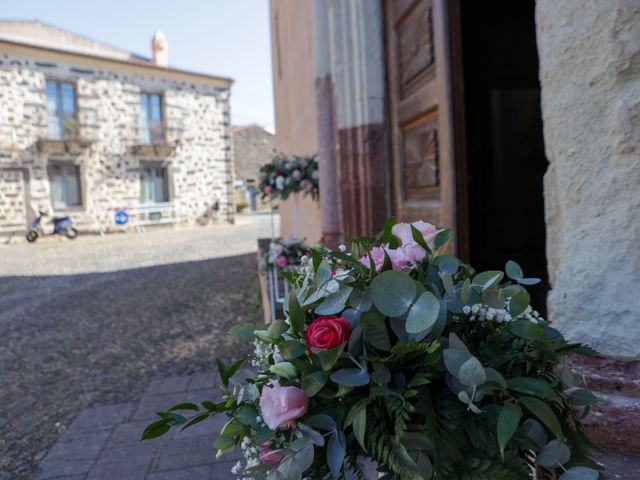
x: 404, y: 357
x: 284, y: 176
x: 284, y: 252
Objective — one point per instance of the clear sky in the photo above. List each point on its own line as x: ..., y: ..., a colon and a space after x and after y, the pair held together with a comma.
x: 225, y: 37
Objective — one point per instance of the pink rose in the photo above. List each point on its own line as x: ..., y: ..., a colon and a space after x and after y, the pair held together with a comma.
x: 282, y: 261
x: 269, y: 457
x: 267, y: 189
x: 377, y: 254
x: 306, y: 185
x: 402, y: 231
x: 328, y: 332
x: 282, y: 406
x: 296, y: 174
x: 399, y: 260
x: 277, y: 249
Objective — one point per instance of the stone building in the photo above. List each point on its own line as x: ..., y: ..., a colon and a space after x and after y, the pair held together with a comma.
x: 253, y: 146
x: 515, y: 122
x: 87, y: 130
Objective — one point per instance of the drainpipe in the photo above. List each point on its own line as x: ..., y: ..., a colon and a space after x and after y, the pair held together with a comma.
x: 330, y: 209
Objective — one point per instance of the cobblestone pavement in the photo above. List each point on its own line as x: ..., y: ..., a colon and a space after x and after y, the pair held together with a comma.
x: 103, y: 442
x: 92, y: 321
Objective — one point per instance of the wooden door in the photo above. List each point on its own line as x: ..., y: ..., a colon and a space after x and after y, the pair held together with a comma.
x: 421, y: 120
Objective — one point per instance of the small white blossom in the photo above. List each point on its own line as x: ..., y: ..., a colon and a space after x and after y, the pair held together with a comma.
x: 342, y: 247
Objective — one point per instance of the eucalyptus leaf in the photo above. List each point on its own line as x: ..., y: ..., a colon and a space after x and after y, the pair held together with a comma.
x: 471, y: 373
x: 487, y: 279
x: 553, y: 454
x: 580, y: 473
x: 336, y: 448
x: 351, y: 377
x: 519, y: 303
x: 392, y: 293
x: 321, y: 421
x: 296, y: 315
x: 582, y: 397
x: 323, y: 274
x: 328, y: 358
x: 423, y: 314
x: 291, y: 349
x: 360, y: 300
x: 513, y: 270
x: 453, y: 359
x: 335, y: 302
x: 277, y: 328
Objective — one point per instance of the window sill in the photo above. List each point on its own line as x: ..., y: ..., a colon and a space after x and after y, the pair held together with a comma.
x: 63, y: 146
x: 158, y: 150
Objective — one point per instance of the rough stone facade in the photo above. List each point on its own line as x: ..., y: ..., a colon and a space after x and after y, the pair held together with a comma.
x: 253, y: 146
x: 197, y: 154
x: 590, y: 75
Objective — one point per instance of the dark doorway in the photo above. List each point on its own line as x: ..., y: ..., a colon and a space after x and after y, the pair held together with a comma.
x: 505, y: 149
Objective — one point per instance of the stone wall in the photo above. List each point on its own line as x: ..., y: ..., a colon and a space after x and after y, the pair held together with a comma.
x: 590, y: 75
x: 199, y: 168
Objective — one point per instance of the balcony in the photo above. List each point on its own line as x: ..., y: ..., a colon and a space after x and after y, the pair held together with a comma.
x: 156, y: 139
x: 65, y: 138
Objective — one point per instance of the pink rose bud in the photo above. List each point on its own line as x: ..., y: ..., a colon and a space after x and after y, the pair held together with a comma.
x: 268, y: 189
x: 282, y: 406
x: 402, y: 231
x: 269, y: 457
x: 282, y: 261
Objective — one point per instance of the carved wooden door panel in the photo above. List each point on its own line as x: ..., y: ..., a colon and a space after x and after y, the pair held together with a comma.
x: 420, y: 111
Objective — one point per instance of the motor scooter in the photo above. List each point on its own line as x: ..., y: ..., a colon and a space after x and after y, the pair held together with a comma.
x: 61, y: 226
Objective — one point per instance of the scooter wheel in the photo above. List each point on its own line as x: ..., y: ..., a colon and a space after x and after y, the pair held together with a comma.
x: 32, y: 236
x: 71, y: 233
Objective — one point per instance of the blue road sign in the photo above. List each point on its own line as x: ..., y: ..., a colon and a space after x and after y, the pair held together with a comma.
x: 121, y: 217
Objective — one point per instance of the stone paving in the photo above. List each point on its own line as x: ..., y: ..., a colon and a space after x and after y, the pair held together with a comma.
x: 103, y: 442
x: 92, y: 321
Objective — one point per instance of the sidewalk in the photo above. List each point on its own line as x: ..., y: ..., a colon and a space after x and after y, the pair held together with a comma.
x: 103, y: 442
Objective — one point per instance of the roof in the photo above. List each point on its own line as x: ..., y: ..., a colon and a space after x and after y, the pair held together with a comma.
x: 240, y: 128
x: 36, y: 34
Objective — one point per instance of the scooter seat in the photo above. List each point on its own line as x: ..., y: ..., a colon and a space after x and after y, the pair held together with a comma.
x: 58, y: 219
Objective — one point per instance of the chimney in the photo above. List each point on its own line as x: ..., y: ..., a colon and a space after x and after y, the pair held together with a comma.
x: 160, y: 49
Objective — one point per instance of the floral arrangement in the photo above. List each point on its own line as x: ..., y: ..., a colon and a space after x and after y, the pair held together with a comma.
x: 401, y: 356
x: 284, y: 252
x: 284, y: 176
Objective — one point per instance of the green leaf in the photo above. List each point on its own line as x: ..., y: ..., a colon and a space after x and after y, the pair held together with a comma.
x: 442, y: 238
x: 487, y: 279
x: 184, y: 406
x: 246, y: 415
x: 313, y: 383
x: 291, y: 349
x: 471, y: 373
x: 423, y: 314
x: 195, y: 420
x: 336, y: 448
x: 542, y: 411
x: 244, y: 332
x: 526, y: 329
x: 519, y: 303
x: 321, y: 421
x: 234, y: 368
x: 328, y: 358
x: 495, y: 376
x: 360, y: 300
x: 351, y: 377
x: 387, y: 236
x: 156, y: 429
x: 418, y: 238
x: 313, y: 435
x: 335, y: 302
x: 323, y: 274
x: 580, y: 473
x: 532, y: 386
x: 508, y: 421
x: 277, y: 328
x: 529, y: 281
x: 513, y: 270
x: 454, y: 358
x: 375, y: 331
x: 456, y: 343
x: 296, y: 315
x: 553, y: 454
x: 284, y: 369
x: 465, y: 294
x: 357, y: 418
x: 392, y: 293
x: 582, y: 397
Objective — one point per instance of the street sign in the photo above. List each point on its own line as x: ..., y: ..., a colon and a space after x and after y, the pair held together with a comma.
x: 121, y: 217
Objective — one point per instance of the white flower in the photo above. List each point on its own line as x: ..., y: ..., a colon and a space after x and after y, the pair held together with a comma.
x: 280, y: 183
x: 342, y: 247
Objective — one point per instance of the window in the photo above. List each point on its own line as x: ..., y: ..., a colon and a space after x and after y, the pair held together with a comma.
x: 62, y: 110
x: 64, y: 181
x: 154, y: 185
x: 151, y: 122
